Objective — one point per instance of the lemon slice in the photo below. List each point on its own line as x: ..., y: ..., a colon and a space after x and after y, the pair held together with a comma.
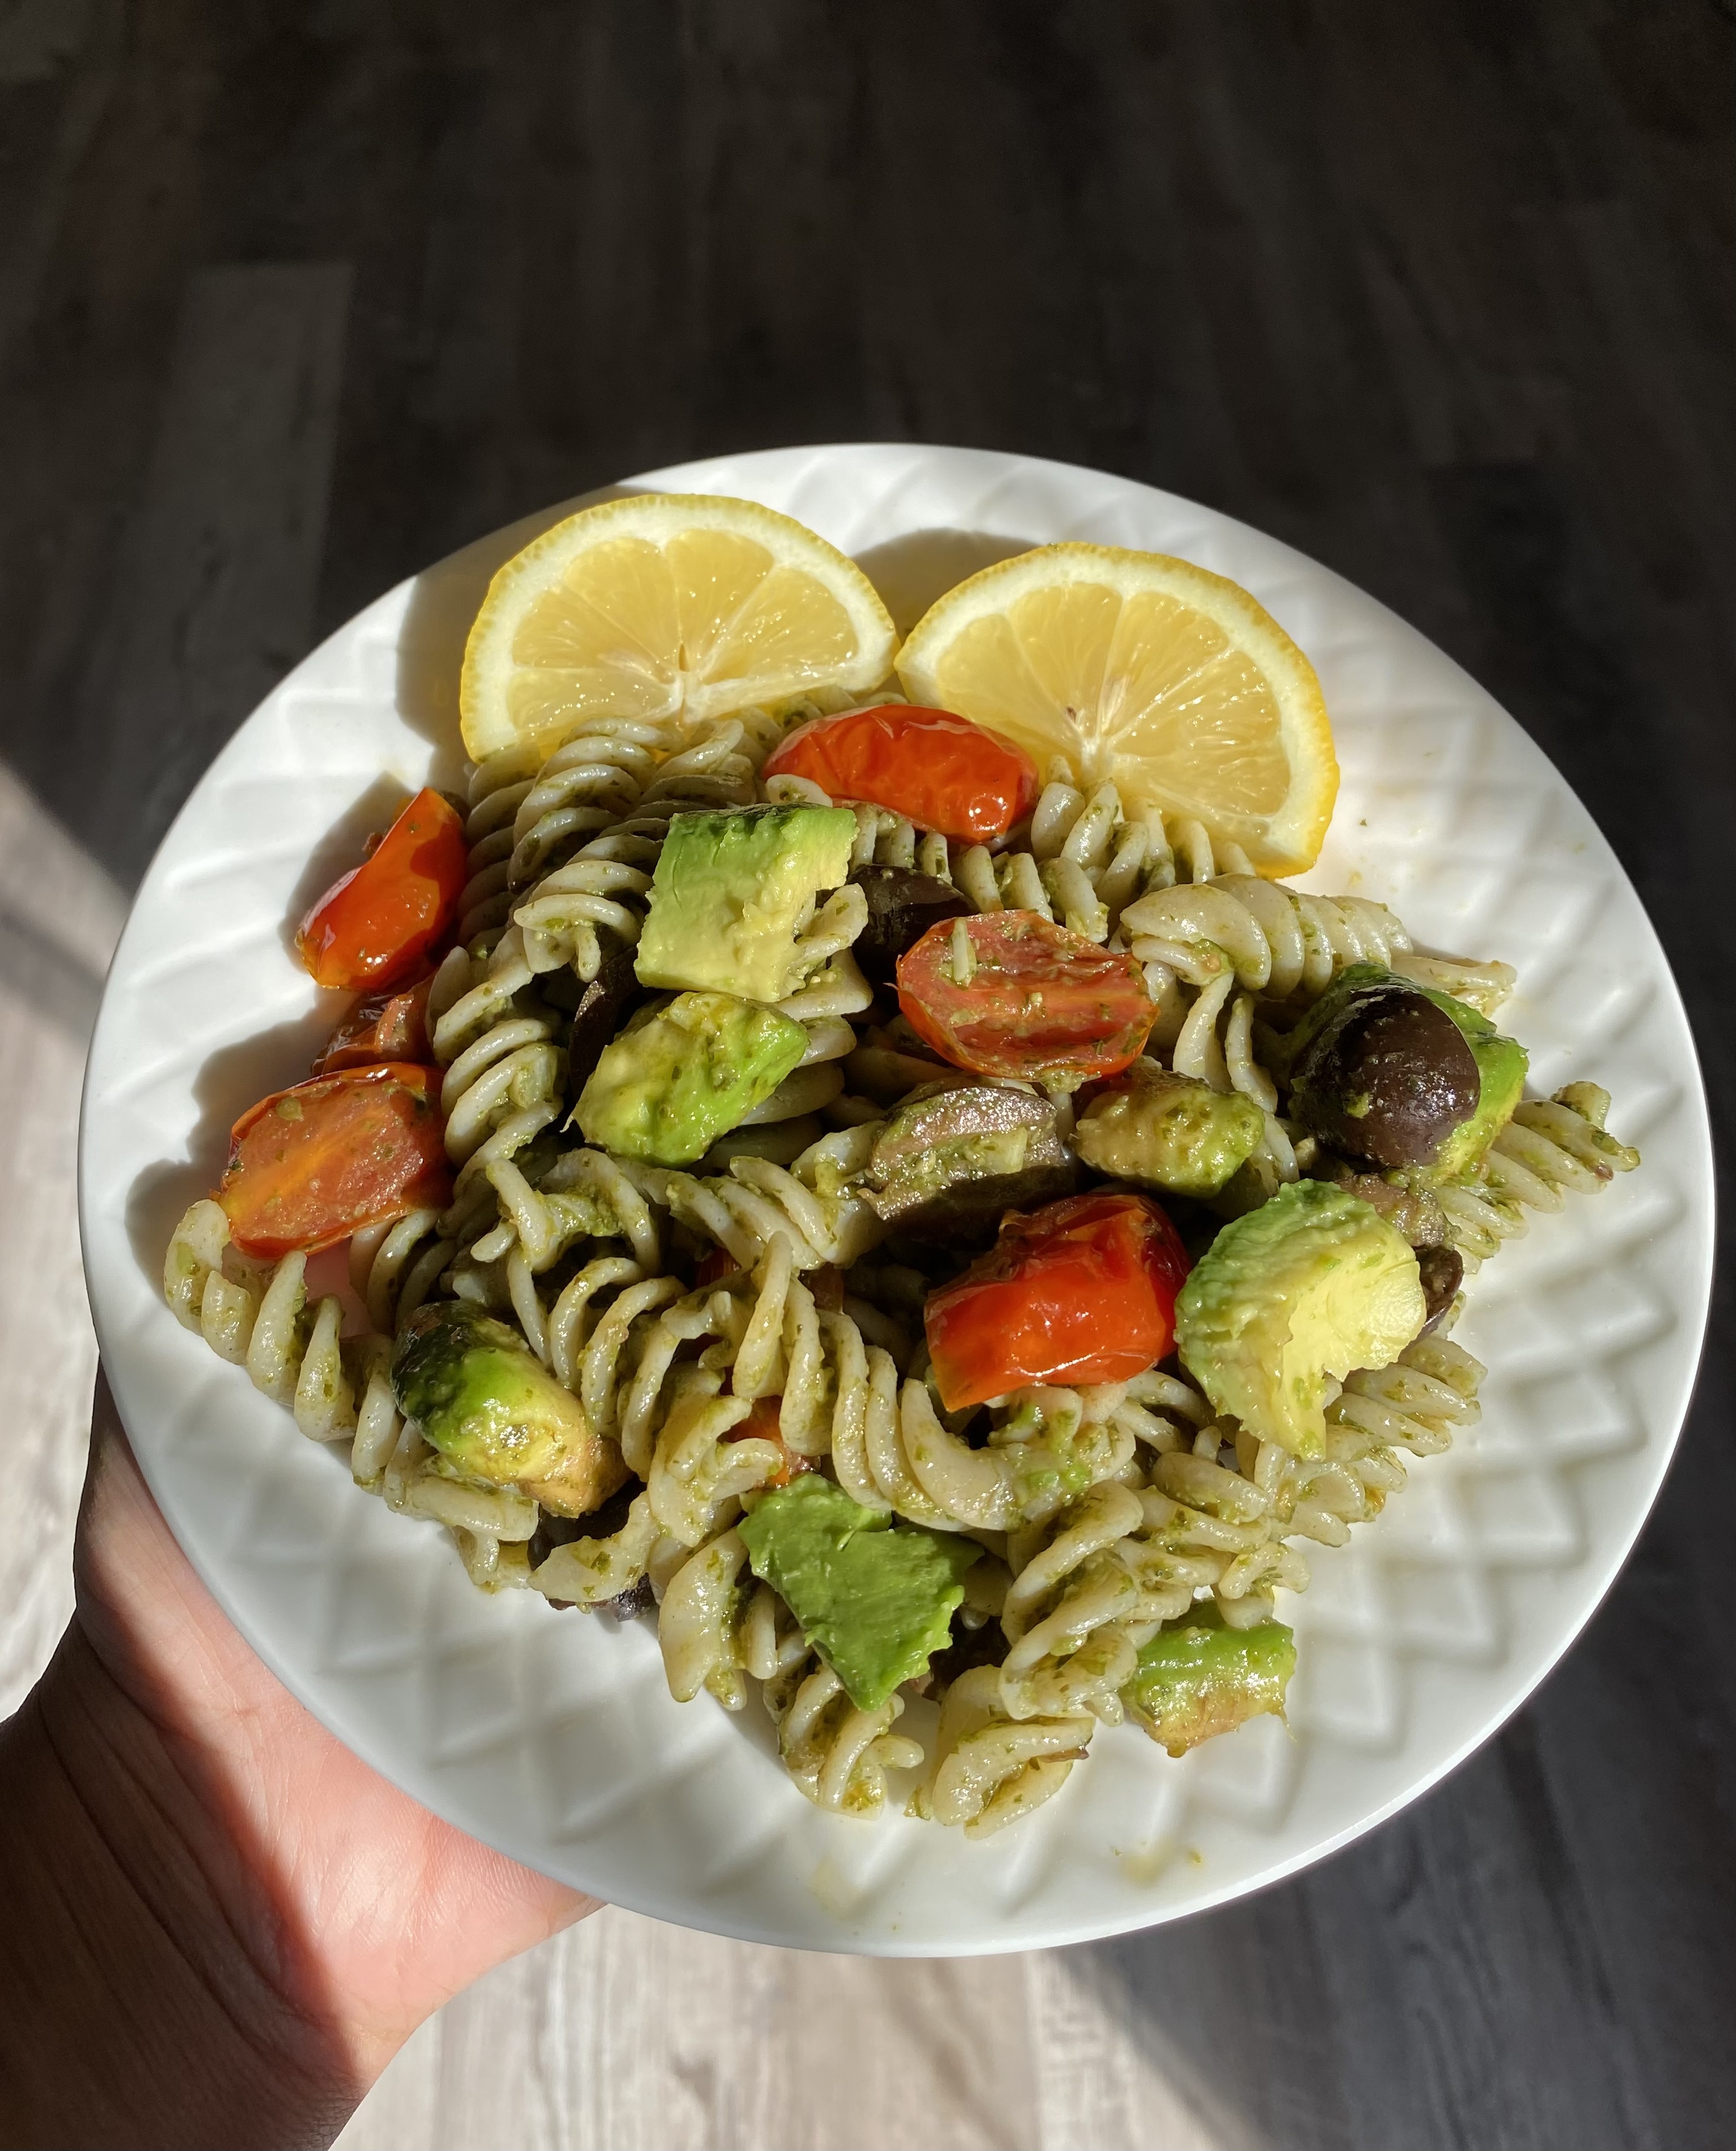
x: 1169, y: 680
x: 665, y: 604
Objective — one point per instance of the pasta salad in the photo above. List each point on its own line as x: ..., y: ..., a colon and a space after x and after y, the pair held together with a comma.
x: 855, y: 1153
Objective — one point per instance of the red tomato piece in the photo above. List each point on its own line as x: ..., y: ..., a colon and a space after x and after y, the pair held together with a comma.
x: 944, y: 771
x: 1081, y: 1291
x: 1040, y: 999
x: 761, y: 1424
x: 384, y: 1027
x: 310, y: 1165
x: 373, y: 927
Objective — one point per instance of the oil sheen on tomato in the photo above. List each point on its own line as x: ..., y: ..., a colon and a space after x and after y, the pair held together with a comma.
x: 373, y: 927
x: 945, y: 772
x: 310, y: 1165
x: 1034, y: 1000
x: 1081, y: 1291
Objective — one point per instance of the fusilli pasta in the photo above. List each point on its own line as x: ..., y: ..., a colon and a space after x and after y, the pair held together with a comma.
x: 836, y: 1752
x: 731, y: 1329
x: 989, y: 1769
x: 1547, y: 1150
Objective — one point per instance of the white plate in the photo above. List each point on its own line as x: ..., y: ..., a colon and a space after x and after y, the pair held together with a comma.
x: 552, y: 1735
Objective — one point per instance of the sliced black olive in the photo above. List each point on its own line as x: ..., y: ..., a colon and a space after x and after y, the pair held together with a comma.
x: 552, y: 1530
x: 632, y: 1604
x: 1442, y: 1271
x: 1412, y: 1211
x: 603, y: 1008
x: 602, y: 1523
x: 902, y: 905
x: 954, y: 1157
x: 1386, y: 1079
x: 965, y: 1648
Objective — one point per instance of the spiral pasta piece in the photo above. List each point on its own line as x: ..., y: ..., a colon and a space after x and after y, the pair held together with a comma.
x: 395, y: 1267
x: 1285, y: 943
x: 208, y: 1288
x: 1044, y: 1446
x: 989, y: 1768
x: 490, y: 1527
x: 590, y: 1572
x: 1216, y: 1516
x: 260, y: 1320
x: 697, y: 1621
x: 836, y: 1752
x: 1066, y: 1609
x: 1220, y: 1512
x: 580, y: 1194
x: 602, y: 887
x: 697, y: 1470
x: 499, y: 786
x: 1087, y: 862
x: 619, y: 1354
x: 1551, y: 1148
x: 586, y: 786
x: 809, y: 1202
x: 715, y: 1624
x: 1090, y: 1583
x: 505, y: 1074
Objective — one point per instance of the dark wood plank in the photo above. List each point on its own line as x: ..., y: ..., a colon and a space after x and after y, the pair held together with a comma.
x: 213, y: 594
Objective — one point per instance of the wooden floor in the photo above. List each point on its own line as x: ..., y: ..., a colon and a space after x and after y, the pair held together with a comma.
x: 294, y: 299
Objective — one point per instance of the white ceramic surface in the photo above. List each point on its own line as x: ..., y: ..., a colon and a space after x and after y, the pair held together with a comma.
x: 552, y: 1735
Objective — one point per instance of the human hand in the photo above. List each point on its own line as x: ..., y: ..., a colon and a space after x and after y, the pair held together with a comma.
x: 216, y: 1924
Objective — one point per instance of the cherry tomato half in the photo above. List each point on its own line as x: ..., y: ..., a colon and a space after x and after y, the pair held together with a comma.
x: 373, y: 927
x: 1039, y: 999
x: 944, y: 771
x: 384, y: 1027
x: 311, y: 1165
x: 1082, y: 1290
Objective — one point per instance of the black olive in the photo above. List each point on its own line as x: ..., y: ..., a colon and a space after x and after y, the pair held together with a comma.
x: 1387, y: 1078
x: 964, y: 1648
x: 1442, y: 1272
x: 1415, y: 1211
x: 602, y: 1523
x: 902, y: 905
x: 632, y: 1603
x: 937, y: 1172
x: 602, y: 1007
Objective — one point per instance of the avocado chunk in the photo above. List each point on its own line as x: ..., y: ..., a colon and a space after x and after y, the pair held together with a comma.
x: 492, y: 1409
x: 1501, y: 1066
x: 1197, y: 1677
x: 733, y: 890
x: 666, y: 1089
x: 953, y: 1157
x: 1160, y: 1130
x: 1314, y: 1283
x: 874, y: 1598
